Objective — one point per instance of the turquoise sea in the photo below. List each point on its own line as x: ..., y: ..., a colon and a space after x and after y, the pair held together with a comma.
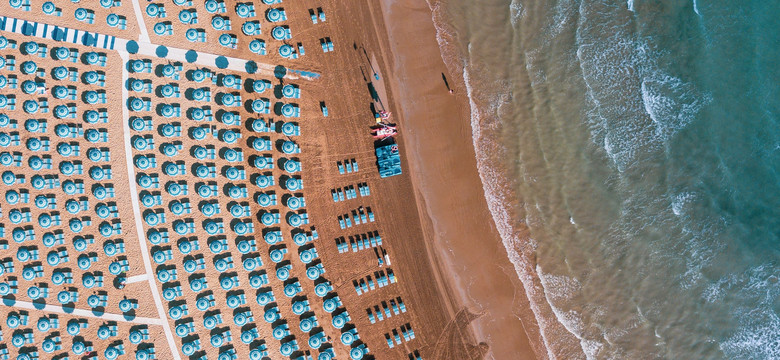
x: 640, y: 142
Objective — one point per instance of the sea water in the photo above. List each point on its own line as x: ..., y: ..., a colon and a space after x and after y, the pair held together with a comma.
x: 639, y: 142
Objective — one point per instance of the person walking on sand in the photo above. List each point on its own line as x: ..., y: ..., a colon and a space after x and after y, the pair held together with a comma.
x: 446, y: 83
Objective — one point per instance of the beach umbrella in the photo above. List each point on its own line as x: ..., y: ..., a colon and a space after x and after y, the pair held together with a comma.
x: 93, y: 58
x: 62, y: 53
x: 211, y: 227
x: 268, y: 219
x: 288, y: 129
x: 306, y: 325
x: 293, y: 184
x: 6, y: 159
x: 307, y: 255
x: 23, y: 254
x: 291, y: 290
x: 100, y: 192
x: 272, y: 238
x: 31, y: 106
x: 112, y: 19
x: 212, y: 6
x: 153, y: 10
x: 80, y: 244
x: 321, y: 289
x: 339, y: 321
x: 264, y: 298
x: 109, y: 248
x: 225, y: 39
x: 191, y: 34
x: 84, y: 263
x: 28, y: 274
x: 288, y: 90
x: 229, y: 136
x: 48, y: 239
x: 283, y: 273
x: 285, y: 50
x: 330, y: 305
x: 356, y: 354
x: 198, y: 75
x: 35, y: 293
x: 60, y: 72
x: 258, y: 125
x: 313, y: 273
x: 256, y: 46
x: 292, y: 166
x: 91, y: 97
x: 198, y: 114
x: 48, y: 8
x: 31, y: 47
x: 188, y: 349
x: 205, y: 191
x: 249, y: 264
x: 259, y: 106
x: 279, y: 33
x: 271, y: 315
x: 263, y: 181
x: 89, y: 282
x: 53, y: 258
x: 160, y: 28
x: 12, y: 196
x: 255, y: 281
x: 235, y: 192
x: 175, y: 313
x: 29, y: 67
x: 59, y: 92
x: 274, y: 15
x: 97, y: 173
x: 72, y: 206
x: 244, y: 247
x: 228, y: 99
x: 249, y: 28
x: 300, y: 239
x: 169, y: 71
x: 73, y: 327
x: 218, y: 23
x: 288, y: 110
x: 9, y: 178
x: 279, y: 332
x: 243, y: 10
x: 294, y: 220
x: 185, y: 16
x: 115, y: 268
x: 29, y: 86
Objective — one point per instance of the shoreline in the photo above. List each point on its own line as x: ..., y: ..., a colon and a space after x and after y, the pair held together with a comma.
x: 442, y: 160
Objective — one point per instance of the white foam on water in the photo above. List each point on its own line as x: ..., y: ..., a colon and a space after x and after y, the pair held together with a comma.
x: 680, y: 201
x: 755, y: 340
x: 501, y: 217
x: 517, y: 11
x: 671, y: 103
x: 630, y: 4
x: 696, y: 8
x: 559, y: 288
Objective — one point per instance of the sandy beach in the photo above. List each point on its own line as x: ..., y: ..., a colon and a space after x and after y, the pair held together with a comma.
x: 462, y: 298
x: 463, y: 241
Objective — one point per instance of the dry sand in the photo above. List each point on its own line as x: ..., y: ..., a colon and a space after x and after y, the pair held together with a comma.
x: 455, y: 258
